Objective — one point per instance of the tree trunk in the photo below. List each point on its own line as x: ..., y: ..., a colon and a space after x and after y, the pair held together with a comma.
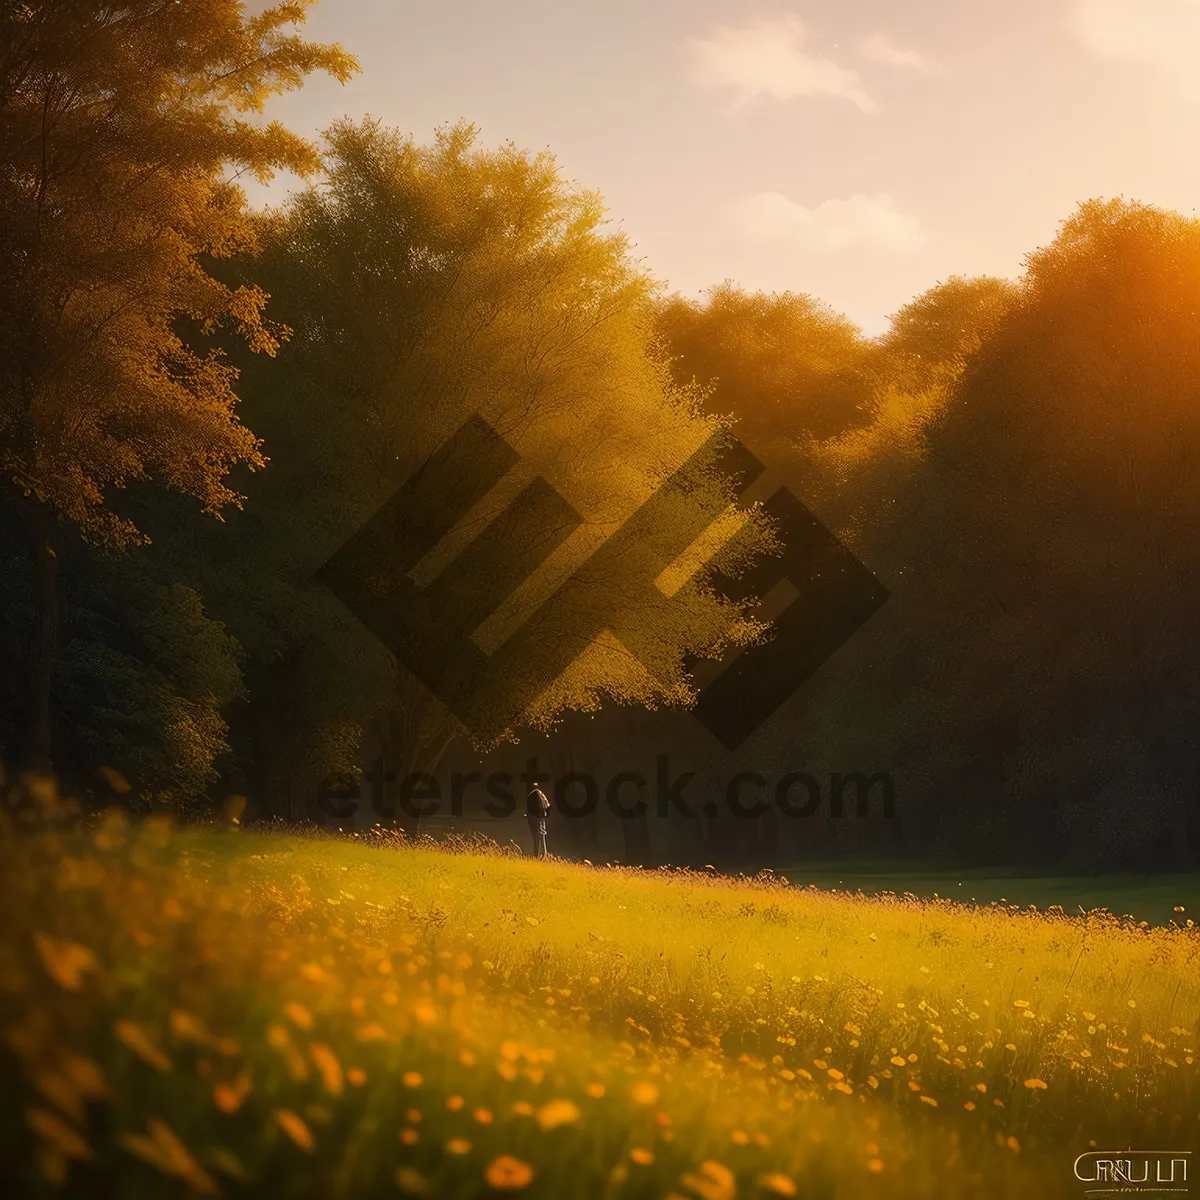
x: 1193, y: 826
x: 40, y: 530
x: 1186, y: 810
x: 636, y: 832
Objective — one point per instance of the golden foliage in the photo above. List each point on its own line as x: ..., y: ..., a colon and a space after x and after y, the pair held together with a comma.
x: 104, y: 264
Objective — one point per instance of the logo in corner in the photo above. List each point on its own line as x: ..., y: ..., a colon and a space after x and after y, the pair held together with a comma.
x: 1110, y: 1172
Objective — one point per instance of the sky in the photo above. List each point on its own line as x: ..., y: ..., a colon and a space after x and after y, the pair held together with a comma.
x: 859, y: 151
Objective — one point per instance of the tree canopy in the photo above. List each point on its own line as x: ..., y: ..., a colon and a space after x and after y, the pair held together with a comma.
x: 120, y: 126
x: 787, y: 365
x: 1045, y: 530
x: 425, y: 286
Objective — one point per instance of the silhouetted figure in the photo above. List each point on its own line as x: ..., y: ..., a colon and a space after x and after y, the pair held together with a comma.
x: 536, y: 808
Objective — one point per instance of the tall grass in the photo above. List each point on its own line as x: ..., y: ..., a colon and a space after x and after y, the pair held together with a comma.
x: 219, y: 1012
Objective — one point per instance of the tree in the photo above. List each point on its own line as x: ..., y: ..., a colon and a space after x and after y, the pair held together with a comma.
x: 119, y: 124
x: 1084, y: 450
x: 936, y: 333
x: 1034, y: 676
x: 146, y: 679
x: 787, y: 366
x: 861, y: 473
x: 430, y: 288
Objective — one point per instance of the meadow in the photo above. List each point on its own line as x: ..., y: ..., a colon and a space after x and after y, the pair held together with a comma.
x: 1155, y: 898
x: 221, y: 1012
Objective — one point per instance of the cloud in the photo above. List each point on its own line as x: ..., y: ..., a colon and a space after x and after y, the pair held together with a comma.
x: 880, y: 48
x: 1163, y: 34
x: 768, y: 58
x: 860, y: 221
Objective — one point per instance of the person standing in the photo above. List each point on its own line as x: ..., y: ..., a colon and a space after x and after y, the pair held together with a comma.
x: 536, y: 808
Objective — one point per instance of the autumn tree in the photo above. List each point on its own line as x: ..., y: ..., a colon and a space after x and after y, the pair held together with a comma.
x: 432, y: 288
x: 866, y: 474
x: 123, y: 129
x: 787, y: 366
x: 1034, y: 676
x: 934, y: 334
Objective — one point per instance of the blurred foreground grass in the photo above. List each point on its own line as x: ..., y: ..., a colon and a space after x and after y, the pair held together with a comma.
x: 192, y: 1013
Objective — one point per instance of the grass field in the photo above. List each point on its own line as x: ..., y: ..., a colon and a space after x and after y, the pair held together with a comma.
x: 218, y: 1012
x: 1153, y: 898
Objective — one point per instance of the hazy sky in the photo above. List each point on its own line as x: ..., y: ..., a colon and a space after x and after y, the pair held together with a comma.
x: 858, y: 150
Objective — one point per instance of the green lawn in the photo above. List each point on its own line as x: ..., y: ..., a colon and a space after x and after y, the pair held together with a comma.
x: 1152, y: 898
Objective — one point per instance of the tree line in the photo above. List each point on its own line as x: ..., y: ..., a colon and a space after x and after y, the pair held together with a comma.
x: 201, y: 402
